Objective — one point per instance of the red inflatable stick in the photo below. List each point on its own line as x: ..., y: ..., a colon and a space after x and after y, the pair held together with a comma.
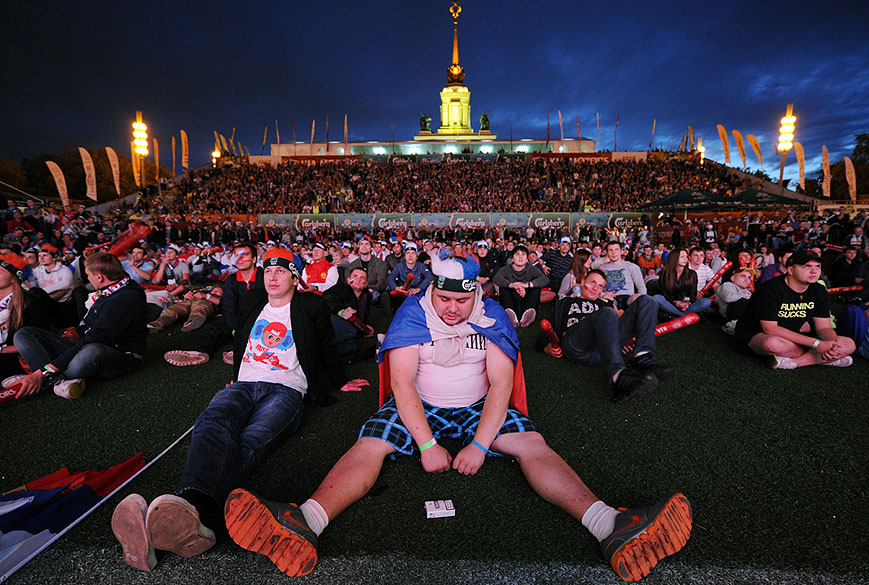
x: 715, y: 278
x: 136, y: 232
x: 550, y: 333
x: 666, y: 327
x: 8, y: 394
x: 368, y: 330
x: 843, y: 289
x: 403, y: 293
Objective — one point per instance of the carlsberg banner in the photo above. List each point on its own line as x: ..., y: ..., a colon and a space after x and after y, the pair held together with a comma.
x: 545, y: 221
x: 315, y: 221
x: 393, y: 221
x: 470, y: 221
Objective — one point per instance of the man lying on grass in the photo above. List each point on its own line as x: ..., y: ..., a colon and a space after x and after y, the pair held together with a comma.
x: 452, y: 357
x: 788, y: 320
x: 283, y: 350
x: 592, y: 333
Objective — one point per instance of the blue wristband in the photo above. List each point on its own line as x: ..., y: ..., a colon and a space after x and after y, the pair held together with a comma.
x: 480, y: 447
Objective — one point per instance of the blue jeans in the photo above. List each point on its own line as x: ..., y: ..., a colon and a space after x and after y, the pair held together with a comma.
x: 38, y: 347
x: 599, y: 337
x: 235, y: 433
x: 697, y: 306
x: 346, y: 336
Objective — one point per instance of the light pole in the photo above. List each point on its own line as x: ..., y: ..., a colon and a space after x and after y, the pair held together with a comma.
x: 215, y: 156
x: 140, y: 139
x: 701, y: 149
x: 786, y: 139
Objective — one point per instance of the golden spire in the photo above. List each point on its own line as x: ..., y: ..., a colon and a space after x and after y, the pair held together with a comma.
x: 455, y: 73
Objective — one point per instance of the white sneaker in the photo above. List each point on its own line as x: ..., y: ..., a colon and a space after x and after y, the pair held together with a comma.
x: 528, y: 317
x: 729, y: 327
x: 70, y: 389
x: 11, y: 380
x: 513, y: 318
x: 777, y: 362
x: 841, y: 362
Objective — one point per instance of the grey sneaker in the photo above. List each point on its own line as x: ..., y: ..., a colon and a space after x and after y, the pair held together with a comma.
x: 528, y: 317
x: 273, y: 529
x: 513, y: 318
x: 646, y: 535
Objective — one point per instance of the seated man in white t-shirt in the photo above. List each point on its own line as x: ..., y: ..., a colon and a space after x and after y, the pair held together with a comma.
x: 284, y: 351
x: 452, y: 359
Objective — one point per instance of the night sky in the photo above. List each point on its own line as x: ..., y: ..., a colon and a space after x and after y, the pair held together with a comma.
x: 75, y: 73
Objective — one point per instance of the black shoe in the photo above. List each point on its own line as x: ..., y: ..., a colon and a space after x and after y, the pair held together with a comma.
x: 646, y: 363
x: 633, y: 383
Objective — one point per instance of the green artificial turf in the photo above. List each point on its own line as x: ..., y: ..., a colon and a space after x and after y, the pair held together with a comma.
x: 774, y: 463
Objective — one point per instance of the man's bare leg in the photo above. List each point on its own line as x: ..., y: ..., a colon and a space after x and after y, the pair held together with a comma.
x: 549, y: 475
x: 352, y: 476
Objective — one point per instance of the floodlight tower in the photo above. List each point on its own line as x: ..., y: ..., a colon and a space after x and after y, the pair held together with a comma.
x: 215, y: 156
x: 140, y: 139
x: 786, y: 139
x: 701, y: 149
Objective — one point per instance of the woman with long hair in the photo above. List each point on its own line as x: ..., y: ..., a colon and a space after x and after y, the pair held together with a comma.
x: 572, y: 281
x: 17, y: 309
x: 678, y: 284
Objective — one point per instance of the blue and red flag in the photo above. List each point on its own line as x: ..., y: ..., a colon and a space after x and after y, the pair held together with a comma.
x: 36, y: 513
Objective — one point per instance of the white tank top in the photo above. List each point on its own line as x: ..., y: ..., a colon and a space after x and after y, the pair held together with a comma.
x: 453, y: 386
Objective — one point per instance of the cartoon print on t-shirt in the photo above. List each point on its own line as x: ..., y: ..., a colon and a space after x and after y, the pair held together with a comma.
x: 267, y: 342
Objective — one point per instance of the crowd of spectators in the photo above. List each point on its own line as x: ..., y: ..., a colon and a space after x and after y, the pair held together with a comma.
x: 453, y: 185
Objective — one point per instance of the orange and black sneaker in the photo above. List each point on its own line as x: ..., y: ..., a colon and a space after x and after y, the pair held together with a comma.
x: 643, y: 536
x: 273, y: 529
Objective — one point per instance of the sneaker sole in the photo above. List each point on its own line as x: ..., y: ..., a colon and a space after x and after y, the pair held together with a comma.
x: 193, y: 324
x: 666, y: 535
x: 174, y: 527
x: 183, y: 360
x: 252, y: 527
x: 128, y: 525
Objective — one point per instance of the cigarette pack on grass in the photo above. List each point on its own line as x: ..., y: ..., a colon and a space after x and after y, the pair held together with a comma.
x: 439, y: 509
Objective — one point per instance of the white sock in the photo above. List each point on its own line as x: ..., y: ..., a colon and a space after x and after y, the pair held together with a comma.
x: 600, y: 520
x: 316, y: 516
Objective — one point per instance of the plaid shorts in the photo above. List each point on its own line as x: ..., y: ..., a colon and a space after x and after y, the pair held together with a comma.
x: 455, y: 423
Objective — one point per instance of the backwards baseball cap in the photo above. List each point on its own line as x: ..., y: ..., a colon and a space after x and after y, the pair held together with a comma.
x: 454, y: 273
x: 564, y: 240
x: 282, y: 258
x: 748, y: 269
x: 13, y: 263
x: 802, y: 257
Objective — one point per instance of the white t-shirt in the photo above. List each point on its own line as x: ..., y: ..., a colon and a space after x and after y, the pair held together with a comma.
x: 458, y: 384
x: 58, y: 279
x: 270, y: 354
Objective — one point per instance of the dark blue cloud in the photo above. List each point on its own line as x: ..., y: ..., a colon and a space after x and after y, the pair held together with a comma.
x: 76, y: 73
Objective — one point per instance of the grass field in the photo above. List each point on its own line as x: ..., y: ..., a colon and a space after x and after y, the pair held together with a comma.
x: 775, y: 464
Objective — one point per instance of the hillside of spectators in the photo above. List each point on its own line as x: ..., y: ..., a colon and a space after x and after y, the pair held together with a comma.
x: 451, y: 186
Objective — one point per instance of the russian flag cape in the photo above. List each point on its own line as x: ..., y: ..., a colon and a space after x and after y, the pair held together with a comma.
x: 409, y: 327
x: 32, y: 515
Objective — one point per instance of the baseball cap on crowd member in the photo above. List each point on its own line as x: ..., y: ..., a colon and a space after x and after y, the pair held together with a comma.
x: 482, y: 244
x: 748, y: 269
x: 347, y: 245
x: 802, y: 257
x: 283, y: 258
x: 320, y: 245
x: 410, y: 246
x: 49, y: 249
x: 564, y: 240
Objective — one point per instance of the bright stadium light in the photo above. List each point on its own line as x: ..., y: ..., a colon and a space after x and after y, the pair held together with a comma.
x: 215, y: 155
x: 140, y: 142
x: 786, y: 138
x: 701, y: 149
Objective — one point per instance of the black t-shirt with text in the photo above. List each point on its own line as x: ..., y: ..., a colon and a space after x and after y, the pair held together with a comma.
x: 775, y: 301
